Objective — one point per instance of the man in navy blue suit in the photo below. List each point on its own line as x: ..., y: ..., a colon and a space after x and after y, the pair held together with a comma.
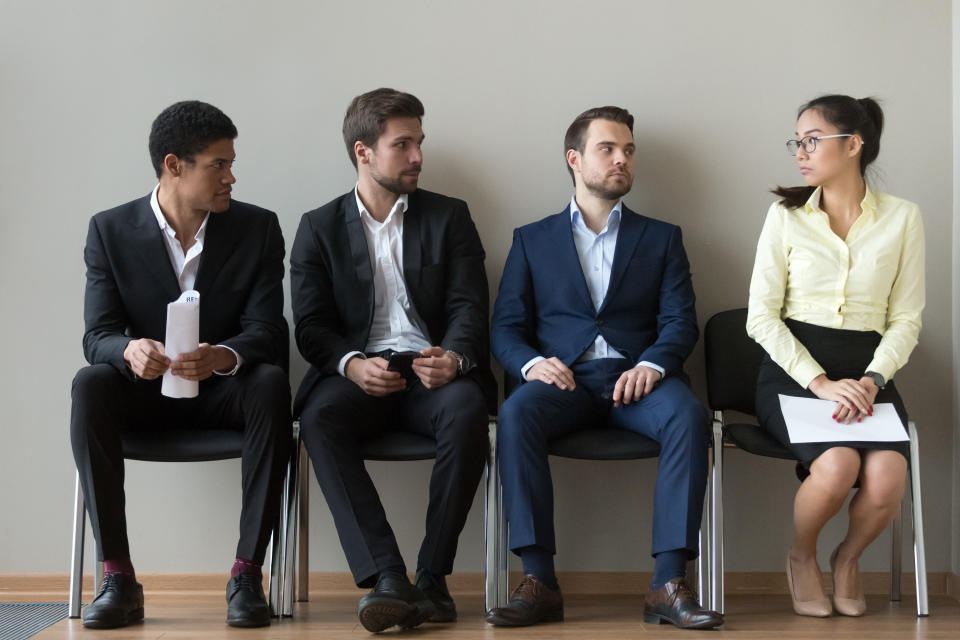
x: 596, y: 316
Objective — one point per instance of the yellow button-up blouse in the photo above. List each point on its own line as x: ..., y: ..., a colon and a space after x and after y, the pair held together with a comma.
x: 872, y: 281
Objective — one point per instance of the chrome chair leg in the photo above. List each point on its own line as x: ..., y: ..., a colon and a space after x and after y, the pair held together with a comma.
x: 76, y: 557
x: 717, y: 599
x: 896, y: 551
x: 919, y: 552
x: 704, y: 550
x: 275, y: 559
x: 495, y: 591
x: 303, y: 523
x: 290, y: 526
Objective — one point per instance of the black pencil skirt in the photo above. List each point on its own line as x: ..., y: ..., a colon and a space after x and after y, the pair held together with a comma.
x: 843, y: 354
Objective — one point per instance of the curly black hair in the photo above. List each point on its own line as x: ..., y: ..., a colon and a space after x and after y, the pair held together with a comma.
x: 185, y: 129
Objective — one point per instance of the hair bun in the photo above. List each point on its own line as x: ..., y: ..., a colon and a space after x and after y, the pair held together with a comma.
x: 874, y: 112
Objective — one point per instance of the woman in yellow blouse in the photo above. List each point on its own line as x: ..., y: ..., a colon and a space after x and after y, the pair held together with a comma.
x: 835, y: 300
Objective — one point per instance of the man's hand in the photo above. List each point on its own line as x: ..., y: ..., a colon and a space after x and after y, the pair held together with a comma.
x: 854, y: 398
x: 146, y: 358
x: 372, y: 376
x: 552, y: 371
x: 436, y: 368
x: 634, y: 384
x: 200, y: 364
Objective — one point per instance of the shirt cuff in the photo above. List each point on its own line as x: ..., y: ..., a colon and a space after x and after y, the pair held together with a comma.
x: 884, y: 366
x: 236, y: 367
x: 804, y: 373
x: 529, y: 365
x: 342, y: 365
x: 655, y: 367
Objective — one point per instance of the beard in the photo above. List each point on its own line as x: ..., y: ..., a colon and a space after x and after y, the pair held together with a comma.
x: 605, y: 191
x: 394, y: 185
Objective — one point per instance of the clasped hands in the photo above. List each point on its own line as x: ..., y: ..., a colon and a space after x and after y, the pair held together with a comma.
x: 435, y: 368
x: 854, y: 398
x: 147, y: 360
x: 632, y: 385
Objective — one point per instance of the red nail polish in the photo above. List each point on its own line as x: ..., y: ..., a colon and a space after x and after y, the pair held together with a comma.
x: 834, y: 416
x: 859, y: 419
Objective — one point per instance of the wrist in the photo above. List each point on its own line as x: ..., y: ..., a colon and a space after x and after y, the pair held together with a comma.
x: 817, y: 382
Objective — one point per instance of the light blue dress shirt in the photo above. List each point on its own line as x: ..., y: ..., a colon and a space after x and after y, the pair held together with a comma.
x: 596, y: 251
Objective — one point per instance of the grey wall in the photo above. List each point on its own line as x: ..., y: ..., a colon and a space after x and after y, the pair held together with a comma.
x: 714, y: 88
x: 956, y: 285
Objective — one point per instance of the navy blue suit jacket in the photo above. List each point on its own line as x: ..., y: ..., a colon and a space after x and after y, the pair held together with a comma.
x: 544, y: 307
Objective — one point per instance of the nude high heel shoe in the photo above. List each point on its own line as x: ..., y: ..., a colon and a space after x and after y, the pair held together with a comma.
x: 847, y: 606
x: 818, y: 608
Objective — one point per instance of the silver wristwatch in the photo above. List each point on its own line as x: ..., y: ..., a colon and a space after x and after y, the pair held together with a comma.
x: 459, y: 358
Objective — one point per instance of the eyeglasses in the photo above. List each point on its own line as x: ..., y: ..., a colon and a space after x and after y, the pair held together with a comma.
x: 809, y: 143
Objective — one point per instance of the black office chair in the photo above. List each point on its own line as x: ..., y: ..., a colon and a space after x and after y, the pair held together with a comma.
x: 587, y: 444
x: 177, y: 445
x: 390, y: 446
x: 733, y: 362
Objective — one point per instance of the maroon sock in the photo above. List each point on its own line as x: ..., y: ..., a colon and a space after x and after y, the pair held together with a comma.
x: 119, y: 565
x: 242, y: 565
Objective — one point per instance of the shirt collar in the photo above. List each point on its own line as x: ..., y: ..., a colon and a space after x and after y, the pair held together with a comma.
x: 613, y: 220
x: 400, y: 205
x: 869, y: 202
x: 165, y: 226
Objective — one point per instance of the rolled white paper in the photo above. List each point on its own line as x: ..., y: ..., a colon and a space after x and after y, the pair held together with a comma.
x: 183, y: 336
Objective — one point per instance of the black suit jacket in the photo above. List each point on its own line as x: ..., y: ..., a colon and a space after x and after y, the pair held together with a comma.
x: 130, y: 281
x: 331, y: 284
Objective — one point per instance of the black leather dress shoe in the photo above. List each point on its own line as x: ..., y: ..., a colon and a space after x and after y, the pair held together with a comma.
x: 676, y: 603
x: 435, y: 588
x: 246, y: 604
x: 119, y: 603
x: 531, y: 602
x: 393, y: 601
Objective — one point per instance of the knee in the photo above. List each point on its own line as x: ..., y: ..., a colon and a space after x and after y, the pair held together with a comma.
x: 883, y: 488
x: 269, y: 382
x: 95, y: 381
x: 688, y: 422
x: 836, y: 470
x: 514, y: 422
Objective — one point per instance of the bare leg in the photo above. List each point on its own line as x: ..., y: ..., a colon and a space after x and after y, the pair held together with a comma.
x: 819, y: 498
x: 883, y: 479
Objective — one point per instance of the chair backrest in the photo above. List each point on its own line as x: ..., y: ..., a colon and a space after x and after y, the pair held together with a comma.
x: 733, y: 362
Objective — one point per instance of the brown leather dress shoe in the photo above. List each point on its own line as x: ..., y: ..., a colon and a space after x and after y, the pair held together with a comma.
x: 677, y: 604
x: 531, y: 602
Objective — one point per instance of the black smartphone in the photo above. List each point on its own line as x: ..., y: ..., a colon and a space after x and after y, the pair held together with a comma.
x: 402, y: 362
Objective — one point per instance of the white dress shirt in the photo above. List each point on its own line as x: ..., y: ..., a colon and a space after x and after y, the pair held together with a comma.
x: 396, y: 324
x: 596, y: 251
x: 186, y: 265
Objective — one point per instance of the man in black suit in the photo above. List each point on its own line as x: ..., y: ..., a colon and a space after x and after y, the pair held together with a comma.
x: 140, y: 256
x: 391, y: 268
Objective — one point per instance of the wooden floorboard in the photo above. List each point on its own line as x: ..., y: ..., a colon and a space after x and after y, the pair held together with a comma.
x: 200, y: 615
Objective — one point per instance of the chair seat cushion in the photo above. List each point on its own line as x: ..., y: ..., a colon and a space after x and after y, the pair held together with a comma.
x: 753, y: 439
x: 604, y: 444
x: 182, y: 445
x: 399, y: 445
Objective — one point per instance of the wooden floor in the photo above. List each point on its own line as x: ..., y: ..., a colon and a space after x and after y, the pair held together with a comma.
x: 178, y: 616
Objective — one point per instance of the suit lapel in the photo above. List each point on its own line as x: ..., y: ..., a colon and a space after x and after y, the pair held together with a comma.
x: 628, y: 238
x: 218, y: 242
x: 566, y: 244
x: 358, y: 250
x: 147, y: 242
x: 411, y: 244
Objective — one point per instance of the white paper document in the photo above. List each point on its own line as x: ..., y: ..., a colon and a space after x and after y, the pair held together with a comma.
x: 810, y: 420
x: 183, y: 336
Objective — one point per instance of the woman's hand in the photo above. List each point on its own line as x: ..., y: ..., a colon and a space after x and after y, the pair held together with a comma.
x: 854, y: 398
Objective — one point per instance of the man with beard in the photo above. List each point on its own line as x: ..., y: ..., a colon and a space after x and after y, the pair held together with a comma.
x: 383, y: 272
x: 595, y: 315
